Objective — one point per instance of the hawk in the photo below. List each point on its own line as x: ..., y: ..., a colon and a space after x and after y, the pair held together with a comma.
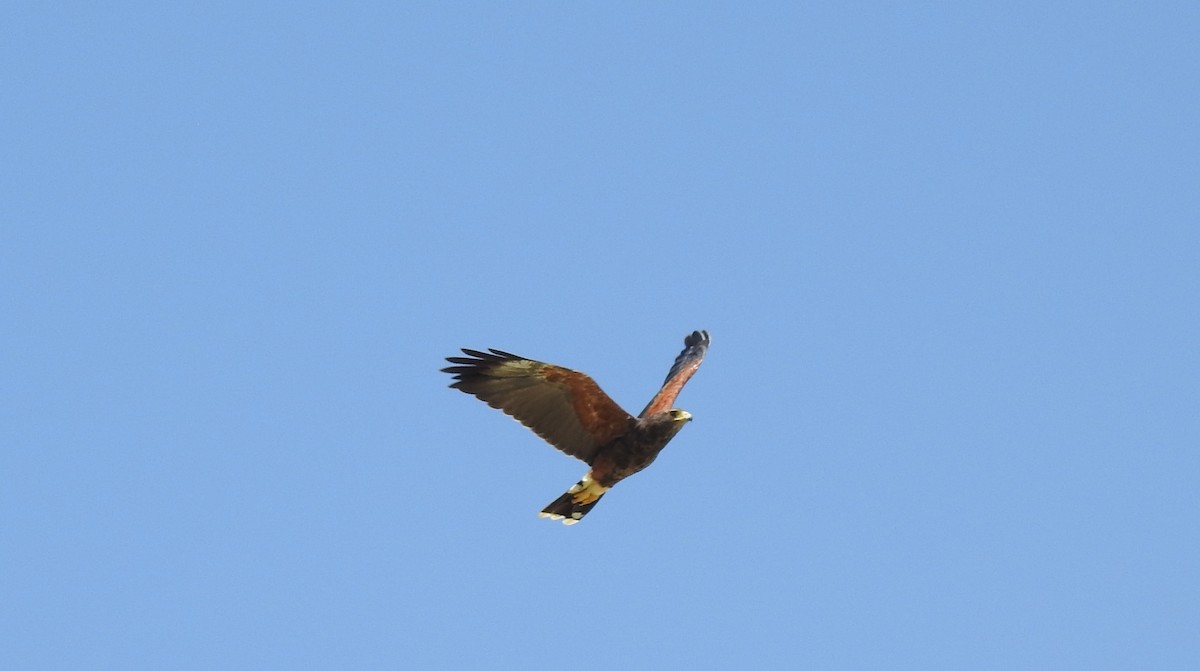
x: 569, y: 411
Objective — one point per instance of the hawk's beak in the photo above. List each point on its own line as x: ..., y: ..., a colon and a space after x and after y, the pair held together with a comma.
x: 685, y: 416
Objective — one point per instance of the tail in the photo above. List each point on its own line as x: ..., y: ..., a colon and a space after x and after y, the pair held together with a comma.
x: 576, y: 502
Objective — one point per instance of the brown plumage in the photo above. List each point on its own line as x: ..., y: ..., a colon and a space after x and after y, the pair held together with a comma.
x: 569, y: 410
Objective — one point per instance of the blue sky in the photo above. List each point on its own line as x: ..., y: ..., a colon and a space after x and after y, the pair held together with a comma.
x: 949, y: 255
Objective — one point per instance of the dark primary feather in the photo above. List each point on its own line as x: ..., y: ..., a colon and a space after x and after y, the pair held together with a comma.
x: 694, y: 348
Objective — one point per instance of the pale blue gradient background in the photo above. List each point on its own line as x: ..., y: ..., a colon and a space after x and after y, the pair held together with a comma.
x: 949, y: 254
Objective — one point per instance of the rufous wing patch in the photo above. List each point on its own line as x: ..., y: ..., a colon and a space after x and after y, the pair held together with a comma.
x: 598, y: 414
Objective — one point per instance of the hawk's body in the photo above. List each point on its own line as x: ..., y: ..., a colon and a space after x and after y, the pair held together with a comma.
x: 569, y: 411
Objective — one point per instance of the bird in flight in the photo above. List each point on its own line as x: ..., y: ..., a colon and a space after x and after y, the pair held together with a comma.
x: 568, y: 410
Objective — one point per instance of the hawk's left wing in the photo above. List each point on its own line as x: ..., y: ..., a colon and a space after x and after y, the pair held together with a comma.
x: 565, y: 407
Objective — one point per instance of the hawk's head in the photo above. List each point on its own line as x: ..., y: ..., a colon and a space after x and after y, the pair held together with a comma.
x: 666, y: 424
x: 678, y: 415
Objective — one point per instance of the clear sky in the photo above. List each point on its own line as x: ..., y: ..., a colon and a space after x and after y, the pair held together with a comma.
x: 949, y: 254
